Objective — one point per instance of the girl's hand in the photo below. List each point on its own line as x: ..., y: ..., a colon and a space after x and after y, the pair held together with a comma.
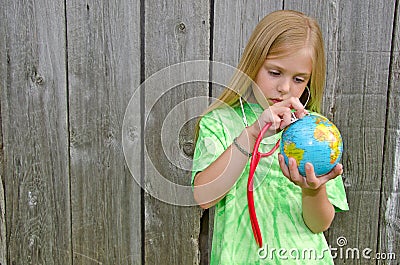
x: 310, y: 181
x: 280, y: 115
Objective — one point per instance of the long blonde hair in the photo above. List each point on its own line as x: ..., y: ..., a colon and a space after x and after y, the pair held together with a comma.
x: 277, y: 34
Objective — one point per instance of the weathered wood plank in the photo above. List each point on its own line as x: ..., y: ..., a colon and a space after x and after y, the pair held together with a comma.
x: 103, y: 71
x: 35, y: 134
x: 3, y: 231
x: 175, y: 31
x: 389, y: 240
x: 361, y: 82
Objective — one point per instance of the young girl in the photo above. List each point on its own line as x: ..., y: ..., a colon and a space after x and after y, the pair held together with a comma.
x: 282, y: 68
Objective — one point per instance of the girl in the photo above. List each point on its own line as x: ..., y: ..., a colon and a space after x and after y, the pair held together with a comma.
x: 283, y: 64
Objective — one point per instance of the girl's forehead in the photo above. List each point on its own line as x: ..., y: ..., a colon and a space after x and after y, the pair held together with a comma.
x: 299, y: 61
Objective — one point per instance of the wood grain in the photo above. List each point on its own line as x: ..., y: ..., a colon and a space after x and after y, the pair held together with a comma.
x: 175, y: 32
x: 3, y: 230
x: 389, y: 225
x: 103, y: 71
x: 35, y: 133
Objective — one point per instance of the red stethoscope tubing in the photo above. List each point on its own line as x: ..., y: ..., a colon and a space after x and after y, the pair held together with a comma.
x: 255, y: 158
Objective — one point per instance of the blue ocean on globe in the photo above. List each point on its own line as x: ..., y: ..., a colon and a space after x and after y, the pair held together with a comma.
x: 312, y: 139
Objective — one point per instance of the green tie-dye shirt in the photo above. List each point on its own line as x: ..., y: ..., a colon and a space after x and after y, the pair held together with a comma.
x: 286, y: 238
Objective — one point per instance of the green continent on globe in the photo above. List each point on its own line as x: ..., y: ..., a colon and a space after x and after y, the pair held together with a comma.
x: 331, y: 135
x: 291, y: 150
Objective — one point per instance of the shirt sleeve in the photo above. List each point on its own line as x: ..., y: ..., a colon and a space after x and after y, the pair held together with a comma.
x: 211, y: 143
x: 336, y: 194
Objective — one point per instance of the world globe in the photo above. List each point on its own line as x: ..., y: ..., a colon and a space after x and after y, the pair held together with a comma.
x: 312, y: 139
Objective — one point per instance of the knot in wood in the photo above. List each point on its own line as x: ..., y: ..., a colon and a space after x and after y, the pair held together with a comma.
x: 36, y: 78
x: 188, y: 148
x: 39, y: 79
x: 182, y: 27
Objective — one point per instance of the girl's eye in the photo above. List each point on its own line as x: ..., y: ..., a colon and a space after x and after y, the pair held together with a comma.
x: 299, y: 80
x: 274, y: 73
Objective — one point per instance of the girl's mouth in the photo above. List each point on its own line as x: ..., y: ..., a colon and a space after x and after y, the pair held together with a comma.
x: 275, y: 100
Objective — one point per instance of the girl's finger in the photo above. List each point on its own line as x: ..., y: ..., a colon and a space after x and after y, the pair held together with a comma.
x: 301, y: 113
x: 286, y: 119
x: 294, y: 171
x: 292, y: 103
x: 284, y: 168
x: 271, y: 115
x: 336, y: 171
x: 311, y: 179
x: 296, y: 104
x: 283, y: 113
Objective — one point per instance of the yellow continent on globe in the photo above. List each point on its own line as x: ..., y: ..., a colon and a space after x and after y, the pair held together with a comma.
x: 291, y: 150
x: 331, y: 135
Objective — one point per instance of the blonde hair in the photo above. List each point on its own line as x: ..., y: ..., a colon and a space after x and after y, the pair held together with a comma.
x: 277, y: 34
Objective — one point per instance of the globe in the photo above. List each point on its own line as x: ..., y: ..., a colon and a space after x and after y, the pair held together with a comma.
x: 312, y: 139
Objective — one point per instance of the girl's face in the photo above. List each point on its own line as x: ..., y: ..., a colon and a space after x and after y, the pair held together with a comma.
x: 280, y: 78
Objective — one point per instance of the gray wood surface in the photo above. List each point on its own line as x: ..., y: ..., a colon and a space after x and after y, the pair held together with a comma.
x: 35, y: 134
x: 3, y: 231
x: 175, y: 31
x: 389, y: 225
x: 103, y: 71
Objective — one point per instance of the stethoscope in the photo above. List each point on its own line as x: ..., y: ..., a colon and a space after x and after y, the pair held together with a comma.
x: 255, y: 159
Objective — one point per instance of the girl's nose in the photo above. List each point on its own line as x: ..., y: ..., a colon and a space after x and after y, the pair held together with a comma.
x: 284, y: 86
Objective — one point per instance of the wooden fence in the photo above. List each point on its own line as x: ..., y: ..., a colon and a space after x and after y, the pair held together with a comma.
x: 67, y: 72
